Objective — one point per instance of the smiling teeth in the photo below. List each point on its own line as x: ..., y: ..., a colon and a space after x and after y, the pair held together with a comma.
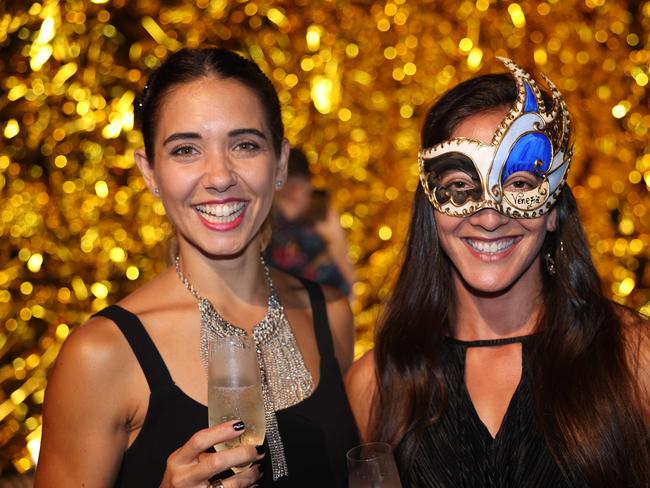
x: 491, y: 247
x: 221, y: 213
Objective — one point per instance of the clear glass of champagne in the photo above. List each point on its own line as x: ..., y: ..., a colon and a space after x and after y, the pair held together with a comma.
x: 372, y: 465
x: 234, y: 389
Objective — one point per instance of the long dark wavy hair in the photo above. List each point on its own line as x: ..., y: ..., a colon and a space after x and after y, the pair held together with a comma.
x: 586, y: 398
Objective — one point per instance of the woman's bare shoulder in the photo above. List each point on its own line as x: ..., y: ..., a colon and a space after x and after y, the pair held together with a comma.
x: 361, y: 378
x: 361, y: 387
x: 96, y: 348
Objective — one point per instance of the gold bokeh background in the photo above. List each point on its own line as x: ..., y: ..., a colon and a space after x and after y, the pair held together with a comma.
x: 78, y: 229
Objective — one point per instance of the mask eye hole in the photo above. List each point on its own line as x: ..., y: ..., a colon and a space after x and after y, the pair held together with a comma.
x: 453, y: 177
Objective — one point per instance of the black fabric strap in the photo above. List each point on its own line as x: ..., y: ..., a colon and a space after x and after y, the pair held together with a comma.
x: 321, y: 323
x: 154, y: 368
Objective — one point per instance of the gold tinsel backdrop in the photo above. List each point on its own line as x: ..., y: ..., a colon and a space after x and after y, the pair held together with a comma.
x: 78, y: 229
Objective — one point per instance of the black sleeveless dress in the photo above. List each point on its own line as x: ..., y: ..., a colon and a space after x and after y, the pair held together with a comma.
x: 458, y: 451
x: 316, y: 432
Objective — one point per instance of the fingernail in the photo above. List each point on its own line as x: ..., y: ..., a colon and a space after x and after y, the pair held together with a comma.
x: 238, y: 426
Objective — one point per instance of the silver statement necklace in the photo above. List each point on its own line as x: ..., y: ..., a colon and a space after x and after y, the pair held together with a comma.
x: 285, y: 378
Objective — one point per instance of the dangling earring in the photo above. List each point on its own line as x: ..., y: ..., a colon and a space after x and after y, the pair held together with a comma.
x: 550, y: 264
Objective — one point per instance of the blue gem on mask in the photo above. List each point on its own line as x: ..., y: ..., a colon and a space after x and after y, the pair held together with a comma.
x: 530, y: 148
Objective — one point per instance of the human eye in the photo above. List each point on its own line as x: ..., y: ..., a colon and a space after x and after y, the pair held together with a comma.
x: 521, y: 181
x: 247, y: 146
x: 184, y: 151
x: 457, y: 181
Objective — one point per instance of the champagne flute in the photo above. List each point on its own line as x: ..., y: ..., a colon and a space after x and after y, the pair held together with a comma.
x: 234, y: 389
x: 372, y: 465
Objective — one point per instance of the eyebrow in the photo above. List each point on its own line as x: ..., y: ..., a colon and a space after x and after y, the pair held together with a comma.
x: 195, y: 135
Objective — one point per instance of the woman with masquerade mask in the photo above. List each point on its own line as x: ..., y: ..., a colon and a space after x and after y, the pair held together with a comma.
x: 126, y: 403
x: 521, y: 373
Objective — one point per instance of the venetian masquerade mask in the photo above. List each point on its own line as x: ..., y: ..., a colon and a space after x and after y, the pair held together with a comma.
x: 519, y: 174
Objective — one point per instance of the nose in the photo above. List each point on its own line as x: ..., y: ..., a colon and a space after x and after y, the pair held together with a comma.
x: 219, y: 174
x: 488, y: 219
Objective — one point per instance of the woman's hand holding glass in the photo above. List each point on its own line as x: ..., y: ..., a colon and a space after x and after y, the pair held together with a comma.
x: 191, y: 466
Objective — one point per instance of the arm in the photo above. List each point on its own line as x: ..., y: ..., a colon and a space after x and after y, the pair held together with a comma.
x: 341, y: 326
x: 361, y: 387
x: 86, y: 411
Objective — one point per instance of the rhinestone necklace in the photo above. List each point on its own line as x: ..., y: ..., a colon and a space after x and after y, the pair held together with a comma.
x: 285, y: 379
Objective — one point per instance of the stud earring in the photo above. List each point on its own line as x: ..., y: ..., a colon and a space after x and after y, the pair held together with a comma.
x: 278, y: 184
x: 156, y: 191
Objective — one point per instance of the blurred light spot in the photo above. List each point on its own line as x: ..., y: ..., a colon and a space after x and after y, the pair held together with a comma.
x: 307, y: 64
x: 626, y: 287
x: 346, y: 220
x: 516, y: 15
x: 313, y: 38
x: 34, y: 445
x: 101, y: 189
x: 410, y: 69
x: 26, y: 288
x: 626, y: 226
x: 62, y: 331
x: 383, y: 25
x: 482, y: 5
x: 344, y: 114
x: 474, y: 58
x: 46, y: 33
x: 385, y: 233
x: 11, y: 129
x: 465, y: 45
x: 277, y: 17
x: 352, y: 50
x: 34, y: 263
x: 40, y: 57
x: 406, y: 111
x: 321, y: 94
x: 100, y: 290
x: 132, y: 273
x: 117, y: 255
x: 619, y: 111
x: 636, y: 246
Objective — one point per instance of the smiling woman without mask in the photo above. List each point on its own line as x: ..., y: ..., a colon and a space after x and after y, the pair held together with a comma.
x: 126, y: 403
x: 498, y: 361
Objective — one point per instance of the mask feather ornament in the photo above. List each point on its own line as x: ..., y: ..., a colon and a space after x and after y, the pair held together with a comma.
x: 519, y: 174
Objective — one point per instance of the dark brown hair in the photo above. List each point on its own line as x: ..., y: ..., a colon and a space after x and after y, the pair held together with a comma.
x: 586, y: 398
x: 189, y: 64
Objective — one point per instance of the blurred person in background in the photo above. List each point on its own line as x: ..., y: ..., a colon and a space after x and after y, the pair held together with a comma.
x: 307, y: 238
